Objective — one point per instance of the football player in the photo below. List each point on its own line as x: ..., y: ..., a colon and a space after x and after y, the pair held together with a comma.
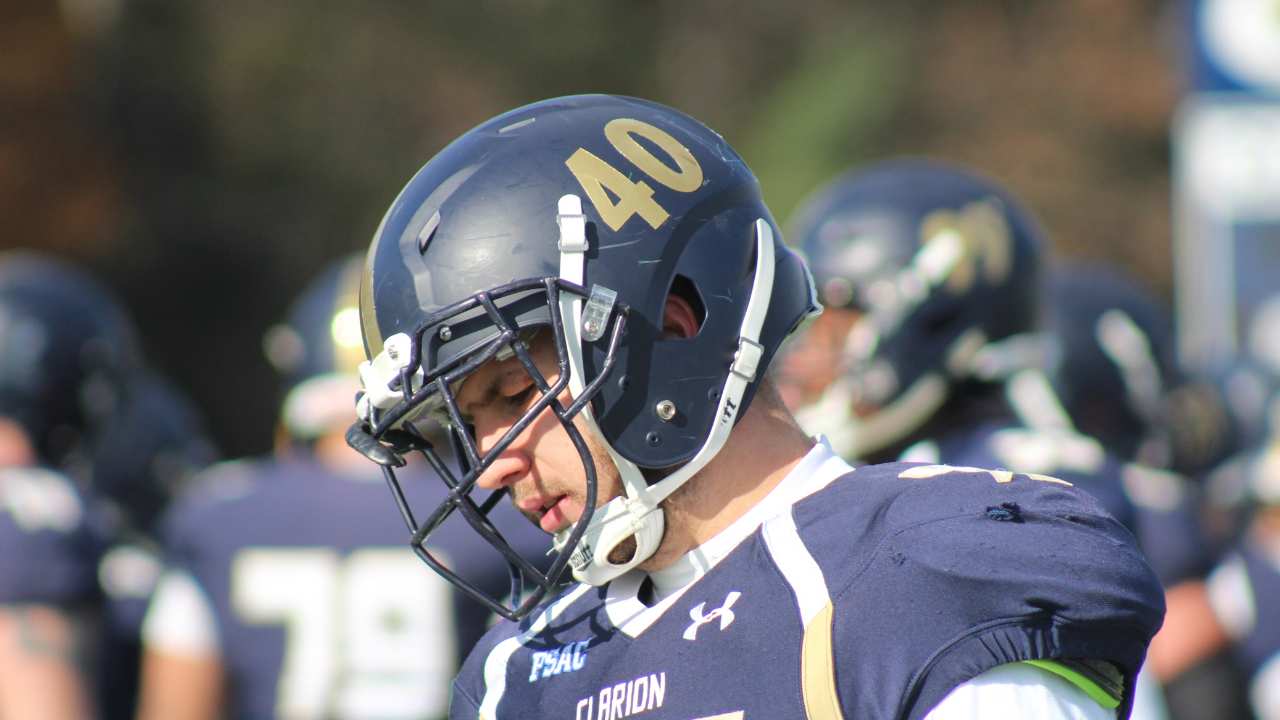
x: 931, y: 276
x: 65, y: 350
x: 1241, y: 602
x: 287, y: 593
x: 1112, y: 369
x: 1112, y: 366
x: 148, y: 454
x: 589, y: 291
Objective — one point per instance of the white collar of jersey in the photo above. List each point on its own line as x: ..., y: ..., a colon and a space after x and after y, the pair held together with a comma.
x: 816, y: 470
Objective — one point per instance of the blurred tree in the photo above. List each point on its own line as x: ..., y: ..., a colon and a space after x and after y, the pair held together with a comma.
x: 57, y: 188
x: 257, y: 141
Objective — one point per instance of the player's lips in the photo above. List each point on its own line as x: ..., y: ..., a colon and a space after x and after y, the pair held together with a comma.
x: 557, y: 516
x: 550, y: 513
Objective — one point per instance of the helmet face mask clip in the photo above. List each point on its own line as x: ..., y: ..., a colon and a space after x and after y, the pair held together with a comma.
x: 386, y: 434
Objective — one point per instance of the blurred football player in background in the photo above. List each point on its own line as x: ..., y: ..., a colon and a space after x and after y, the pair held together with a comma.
x: 66, y: 348
x: 289, y: 590
x: 1236, y: 642
x: 1244, y: 590
x: 933, y: 348
x: 930, y: 277
x: 1112, y: 368
x: 148, y: 455
x: 1110, y: 365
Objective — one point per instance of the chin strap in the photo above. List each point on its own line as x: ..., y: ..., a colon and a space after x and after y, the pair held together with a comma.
x: 613, y: 524
x: 637, y: 514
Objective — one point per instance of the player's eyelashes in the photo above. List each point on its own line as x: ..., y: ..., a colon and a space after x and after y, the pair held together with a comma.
x: 520, y: 398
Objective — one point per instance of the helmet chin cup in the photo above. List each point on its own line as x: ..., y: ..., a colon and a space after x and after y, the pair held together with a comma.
x: 612, y: 525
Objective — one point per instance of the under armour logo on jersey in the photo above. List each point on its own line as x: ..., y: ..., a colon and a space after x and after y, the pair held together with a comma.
x: 724, y: 614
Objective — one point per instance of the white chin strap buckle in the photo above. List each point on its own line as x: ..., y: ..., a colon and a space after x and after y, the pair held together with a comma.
x: 611, y: 525
x: 377, y: 375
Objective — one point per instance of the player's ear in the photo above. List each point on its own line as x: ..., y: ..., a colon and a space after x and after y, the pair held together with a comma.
x: 679, y: 319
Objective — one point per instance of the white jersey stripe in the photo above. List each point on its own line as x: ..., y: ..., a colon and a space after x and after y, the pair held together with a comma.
x: 797, y: 565
x: 802, y: 573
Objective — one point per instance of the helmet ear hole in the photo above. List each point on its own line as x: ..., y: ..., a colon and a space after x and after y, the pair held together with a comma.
x: 683, y: 318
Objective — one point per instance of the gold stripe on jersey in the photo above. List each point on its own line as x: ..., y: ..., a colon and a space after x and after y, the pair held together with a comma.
x: 818, y: 669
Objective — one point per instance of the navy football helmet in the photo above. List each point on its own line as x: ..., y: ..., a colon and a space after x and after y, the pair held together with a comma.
x: 1113, y: 359
x: 66, y: 349
x: 941, y: 268
x: 318, y: 351
x: 152, y: 449
x: 1222, y: 411
x: 577, y: 216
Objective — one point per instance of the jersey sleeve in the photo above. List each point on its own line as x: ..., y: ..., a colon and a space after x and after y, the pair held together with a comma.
x: 180, y: 619
x: 470, y: 684
x: 960, y: 570
x: 462, y: 706
x: 50, y: 543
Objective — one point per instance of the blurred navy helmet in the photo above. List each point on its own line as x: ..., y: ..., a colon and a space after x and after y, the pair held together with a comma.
x: 1113, y: 359
x: 317, y: 352
x: 944, y: 267
x: 66, y: 348
x: 153, y: 447
x: 577, y: 217
x: 1231, y: 408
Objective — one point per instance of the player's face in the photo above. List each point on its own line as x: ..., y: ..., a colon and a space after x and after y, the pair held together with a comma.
x: 813, y: 361
x: 542, y: 468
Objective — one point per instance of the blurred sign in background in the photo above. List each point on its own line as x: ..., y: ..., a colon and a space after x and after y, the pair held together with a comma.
x: 206, y: 158
x: 1227, y: 171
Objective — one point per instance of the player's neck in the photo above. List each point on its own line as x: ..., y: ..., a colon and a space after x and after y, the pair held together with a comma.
x: 762, y: 449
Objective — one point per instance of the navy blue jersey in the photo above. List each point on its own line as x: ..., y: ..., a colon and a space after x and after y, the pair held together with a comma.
x: 870, y: 595
x: 50, y: 540
x: 321, y: 609
x: 1159, y: 508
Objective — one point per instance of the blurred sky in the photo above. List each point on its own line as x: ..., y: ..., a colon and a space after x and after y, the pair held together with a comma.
x: 207, y: 158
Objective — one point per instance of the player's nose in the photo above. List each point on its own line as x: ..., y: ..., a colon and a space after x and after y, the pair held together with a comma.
x: 510, y: 464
